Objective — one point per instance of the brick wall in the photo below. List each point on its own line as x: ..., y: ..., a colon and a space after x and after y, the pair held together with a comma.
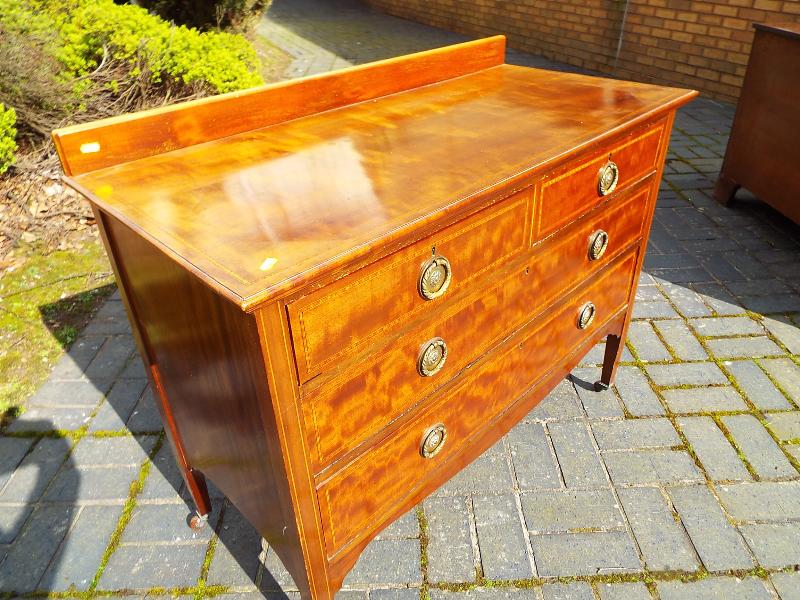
x: 700, y: 44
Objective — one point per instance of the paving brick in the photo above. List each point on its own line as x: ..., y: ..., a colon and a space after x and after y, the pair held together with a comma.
x: 758, y: 447
x: 718, y: 543
x: 111, y: 358
x: 635, y: 433
x: 70, y: 393
x: 145, y: 417
x: 718, y: 457
x: 578, y: 590
x: 12, y: 451
x: 570, y: 554
x: 12, y: 518
x: 29, y: 556
x: 756, y: 385
x: 651, y: 466
x: 164, y: 479
x: 166, y: 523
x: 141, y: 567
x: 116, y: 410
x: 487, y: 473
x: 394, y: 594
x: 775, y: 303
x: 580, y: 464
x: 714, y: 588
x: 387, y: 562
x: 534, y: 463
x: 623, y: 591
x: 35, y: 471
x: 492, y: 593
x: 74, y: 484
x: 647, y: 344
x: 405, y: 526
x: 786, y: 374
x: 501, y: 538
x: 681, y: 340
x: 79, y: 557
x: 235, y: 561
x: 787, y: 585
x: 111, y: 319
x: 561, y: 403
x: 708, y: 399
x: 449, y: 541
x: 743, y: 347
x: 134, y: 369
x: 121, y: 450
x: 636, y: 393
x: 567, y: 511
x: 42, y: 419
x: 596, y: 404
x: 662, y: 541
x: 77, y: 358
x: 687, y: 301
x: 785, y: 331
x: 726, y: 326
x: 704, y: 373
x: 719, y: 299
x: 656, y: 309
x: 785, y: 425
x: 775, y: 545
x: 762, y: 501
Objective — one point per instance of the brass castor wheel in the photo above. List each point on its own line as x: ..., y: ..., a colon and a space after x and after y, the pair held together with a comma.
x: 198, y: 521
x: 599, y: 386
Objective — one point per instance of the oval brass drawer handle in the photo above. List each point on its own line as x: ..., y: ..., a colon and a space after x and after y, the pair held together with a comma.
x: 434, y: 278
x: 608, y: 178
x: 586, y: 316
x: 431, y: 358
x: 433, y: 440
x: 598, y: 242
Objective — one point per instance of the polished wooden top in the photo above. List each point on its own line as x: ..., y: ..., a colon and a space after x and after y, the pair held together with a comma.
x: 256, y: 213
x: 786, y: 29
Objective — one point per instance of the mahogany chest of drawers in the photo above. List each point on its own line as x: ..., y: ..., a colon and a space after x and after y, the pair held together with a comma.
x: 347, y: 287
x: 763, y: 155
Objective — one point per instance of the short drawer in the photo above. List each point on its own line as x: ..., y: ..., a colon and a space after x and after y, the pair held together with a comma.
x: 575, y: 188
x: 365, y: 397
x: 350, y: 312
x: 398, y: 465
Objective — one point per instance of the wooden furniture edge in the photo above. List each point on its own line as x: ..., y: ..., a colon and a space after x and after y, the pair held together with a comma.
x: 116, y: 140
x: 458, y: 209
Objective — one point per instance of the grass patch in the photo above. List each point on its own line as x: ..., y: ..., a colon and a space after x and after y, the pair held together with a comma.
x: 43, y: 305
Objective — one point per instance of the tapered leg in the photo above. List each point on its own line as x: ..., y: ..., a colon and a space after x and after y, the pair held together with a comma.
x: 725, y: 189
x: 195, y: 480
x: 614, y: 348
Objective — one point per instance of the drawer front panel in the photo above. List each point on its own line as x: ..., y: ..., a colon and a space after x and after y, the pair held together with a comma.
x: 573, y: 190
x: 379, y: 391
x: 352, y: 311
x: 390, y: 471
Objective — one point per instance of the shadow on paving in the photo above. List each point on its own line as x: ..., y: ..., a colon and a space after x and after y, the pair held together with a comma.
x: 61, y: 505
x: 32, y: 557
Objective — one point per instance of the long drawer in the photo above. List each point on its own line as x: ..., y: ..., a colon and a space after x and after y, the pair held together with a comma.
x: 581, y: 184
x: 396, y: 467
x: 368, y: 395
x: 348, y: 313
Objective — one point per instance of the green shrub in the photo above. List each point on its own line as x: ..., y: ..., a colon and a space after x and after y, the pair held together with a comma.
x: 68, y: 61
x: 219, y: 61
x: 231, y: 14
x: 8, y: 135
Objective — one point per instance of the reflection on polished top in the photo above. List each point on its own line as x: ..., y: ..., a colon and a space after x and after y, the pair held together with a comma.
x: 257, y: 212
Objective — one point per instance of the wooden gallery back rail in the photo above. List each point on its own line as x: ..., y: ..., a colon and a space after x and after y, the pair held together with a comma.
x: 347, y: 287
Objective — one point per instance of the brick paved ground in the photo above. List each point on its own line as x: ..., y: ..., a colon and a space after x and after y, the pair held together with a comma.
x: 680, y: 482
